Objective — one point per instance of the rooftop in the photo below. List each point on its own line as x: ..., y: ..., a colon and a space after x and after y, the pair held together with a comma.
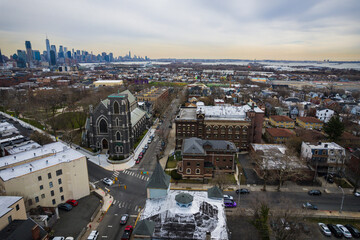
x: 322, y: 145
x: 279, y: 118
x: 6, y: 202
x: 280, y: 132
x: 310, y: 119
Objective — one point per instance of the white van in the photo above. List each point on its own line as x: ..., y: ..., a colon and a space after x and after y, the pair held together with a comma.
x: 93, y: 235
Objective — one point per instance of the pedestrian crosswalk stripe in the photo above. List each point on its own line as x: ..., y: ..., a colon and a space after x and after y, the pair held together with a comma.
x: 139, y: 209
x: 114, y: 202
x: 119, y: 205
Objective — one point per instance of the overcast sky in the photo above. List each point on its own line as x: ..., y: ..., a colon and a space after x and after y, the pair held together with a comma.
x: 252, y: 29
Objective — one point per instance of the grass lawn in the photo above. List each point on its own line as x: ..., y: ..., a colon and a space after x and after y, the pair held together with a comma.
x: 65, y: 120
x: 342, y: 183
x: 243, y: 178
x: 33, y: 123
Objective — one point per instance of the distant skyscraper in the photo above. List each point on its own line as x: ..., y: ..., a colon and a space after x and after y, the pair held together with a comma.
x: 53, y: 48
x: 36, y: 54
x: 48, y: 49
x: 68, y: 54
x: 28, y: 53
x: 129, y: 54
x: 52, y: 57
x: 21, y: 61
x: 1, y: 58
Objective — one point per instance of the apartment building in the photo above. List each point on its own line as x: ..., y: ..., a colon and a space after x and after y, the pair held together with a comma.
x: 324, y: 157
x: 309, y: 123
x: 324, y: 115
x: 45, y: 176
x: 238, y: 124
x: 152, y: 95
x: 281, y: 121
x: 278, y: 135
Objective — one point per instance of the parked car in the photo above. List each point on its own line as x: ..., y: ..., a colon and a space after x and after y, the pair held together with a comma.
x: 59, y: 238
x: 143, y: 151
x: 228, y: 197
x: 350, y: 149
x: 344, y: 231
x: 93, y: 235
x: 72, y: 202
x: 324, y: 229
x: 127, y: 232
x: 124, y: 219
x: 68, y: 238
x: 146, y: 147
x: 229, y: 203
x: 357, y: 194
x: 108, y: 181
x: 149, y: 141
x: 335, y: 230
x: 65, y: 206
x: 354, y: 231
x: 329, y: 178
x: 314, y: 192
x: 308, y: 205
x: 242, y: 191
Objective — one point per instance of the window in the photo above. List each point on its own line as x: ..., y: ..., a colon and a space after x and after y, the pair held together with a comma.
x: 41, y: 187
x: 53, y: 202
x: 30, y: 202
x: 188, y: 171
x: 121, y: 149
x: 52, y: 193
x: 197, y: 171
x: 36, y: 199
x: 39, y: 178
x: 116, y: 108
x: 59, y: 181
x: 61, y: 189
x: 62, y: 198
x: 217, y: 159
x: 9, y: 219
x: 49, y: 175
x: 17, y: 207
x: 58, y: 172
x: 224, y: 160
x: 188, y: 163
x: 103, y: 127
x: 42, y: 195
x: 50, y: 184
x: 118, y: 136
x: 198, y: 164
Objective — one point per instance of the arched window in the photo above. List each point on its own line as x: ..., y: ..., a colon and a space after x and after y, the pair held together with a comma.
x: 197, y: 171
x: 188, y: 171
x: 117, y: 149
x: 116, y: 108
x: 118, y: 136
x: 117, y: 122
x: 103, y: 127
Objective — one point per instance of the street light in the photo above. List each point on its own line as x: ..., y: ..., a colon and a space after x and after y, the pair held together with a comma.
x: 239, y: 189
x: 342, y: 199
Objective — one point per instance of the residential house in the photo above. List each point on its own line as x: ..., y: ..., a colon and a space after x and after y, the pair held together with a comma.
x: 281, y: 121
x: 11, y: 208
x: 324, y: 157
x: 309, y: 123
x: 324, y: 114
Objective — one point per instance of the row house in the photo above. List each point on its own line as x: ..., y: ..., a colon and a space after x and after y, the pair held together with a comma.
x: 281, y: 121
x: 278, y: 135
x: 309, y: 123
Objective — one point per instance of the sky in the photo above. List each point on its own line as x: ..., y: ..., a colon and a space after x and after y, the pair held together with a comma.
x: 214, y: 29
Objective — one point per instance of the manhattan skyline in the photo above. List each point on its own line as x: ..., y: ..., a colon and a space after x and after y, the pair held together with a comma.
x: 279, y: 30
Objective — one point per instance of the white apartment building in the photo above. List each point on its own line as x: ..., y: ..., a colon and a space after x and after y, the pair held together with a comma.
x: 45, y: 176
x: 324, y: 114
x: 325, y: 157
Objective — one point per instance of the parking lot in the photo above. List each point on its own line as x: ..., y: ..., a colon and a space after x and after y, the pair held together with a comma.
x: 72, y: 222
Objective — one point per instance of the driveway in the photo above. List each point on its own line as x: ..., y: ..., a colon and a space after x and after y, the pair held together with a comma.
x: 72, y: 222
x: 251, y: 176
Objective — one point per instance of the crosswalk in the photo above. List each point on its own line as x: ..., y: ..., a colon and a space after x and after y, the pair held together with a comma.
x: 126, y: 205
x: 131, y: 173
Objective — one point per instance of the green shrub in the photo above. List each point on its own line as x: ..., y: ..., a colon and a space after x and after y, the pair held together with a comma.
x: 175, y: 175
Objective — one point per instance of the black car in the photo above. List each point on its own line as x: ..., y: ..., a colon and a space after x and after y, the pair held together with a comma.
x: 335, y: 230
x: 65, y: 206
x: 354, y: 231
x: 314, y: 192
x: 242, y: 191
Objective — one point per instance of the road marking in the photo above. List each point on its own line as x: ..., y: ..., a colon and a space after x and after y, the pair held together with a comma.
x: 96, y: 182
x: 115, y: 214
x: 139, y: 209
x: 136, y: 207
x: 104, y: 236
x: 133, y: 216
x: 123, y: 204
x: 132, y: 174
x: 114, y: 202
x: 119, y: 205
x: 138, y: 175
x: 110, y: 226
x: 142, y: 177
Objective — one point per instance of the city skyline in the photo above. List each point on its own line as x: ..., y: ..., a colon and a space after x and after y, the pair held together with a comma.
x: 300, y: 30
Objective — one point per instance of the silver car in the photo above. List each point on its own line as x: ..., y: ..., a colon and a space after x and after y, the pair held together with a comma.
x: 344, y: 231
x: 108, y: 181
x: 324, y: 229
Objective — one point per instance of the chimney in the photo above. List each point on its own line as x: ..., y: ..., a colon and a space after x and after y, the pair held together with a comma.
x: 252, y: 106
x: 35, y: 232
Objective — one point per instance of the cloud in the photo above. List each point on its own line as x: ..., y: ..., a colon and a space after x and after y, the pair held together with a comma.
x: 114, y: 25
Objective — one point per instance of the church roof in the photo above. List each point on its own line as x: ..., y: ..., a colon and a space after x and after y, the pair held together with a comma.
x: 131, y: 97
x: 159, y: 179
x: 144, y: 228
x: 136, y: 115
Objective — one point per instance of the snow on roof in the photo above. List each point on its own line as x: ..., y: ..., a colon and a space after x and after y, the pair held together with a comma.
x: 6, y: 202
x: 264, y: 147
x: 16, y: 165
x: 11, y: 139
x: 322, y: 145
x: 7, y: 127
x: 191, y: 223
x: 25, y: 146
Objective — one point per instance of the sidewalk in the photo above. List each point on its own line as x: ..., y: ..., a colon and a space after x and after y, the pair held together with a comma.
x: 288, y: 187
x: 107, y: 201
x: 170, y: 147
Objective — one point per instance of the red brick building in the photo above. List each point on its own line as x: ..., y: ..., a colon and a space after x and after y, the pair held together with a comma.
x: 278, y: 135
x: 241, y: 125
x: 203, y: 158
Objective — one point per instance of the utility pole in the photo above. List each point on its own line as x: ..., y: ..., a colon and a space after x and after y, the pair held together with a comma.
x: 342, y: 199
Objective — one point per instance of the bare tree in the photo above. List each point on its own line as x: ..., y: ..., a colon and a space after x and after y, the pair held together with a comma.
x: 262, y: 167
x: 221, y: 180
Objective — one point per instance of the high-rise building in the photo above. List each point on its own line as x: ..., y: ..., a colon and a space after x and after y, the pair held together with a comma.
x: 129, y: 54
x: 68, y: 54
x: 29, y: 56
x: 61, y: 52
x: 48, y: 49
x: 1, y: 58
x: 21, y: 61
x: 53, y: 48
x: 36, y: 54
x: 52, y: 57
